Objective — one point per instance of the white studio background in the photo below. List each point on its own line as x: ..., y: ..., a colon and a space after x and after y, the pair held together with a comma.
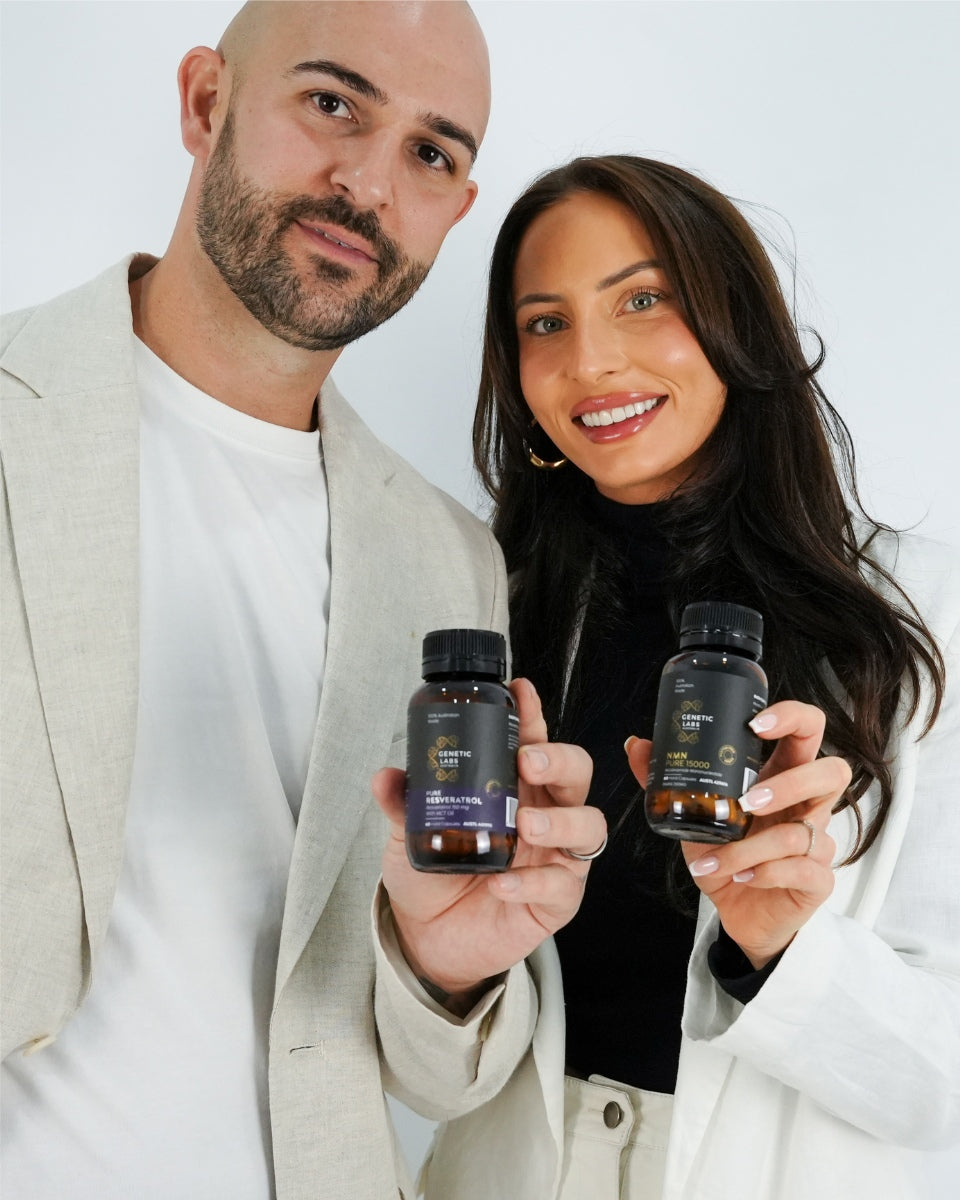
x: 837, y: 119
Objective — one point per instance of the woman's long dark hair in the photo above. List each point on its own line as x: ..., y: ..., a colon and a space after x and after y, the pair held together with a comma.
x: 769, y: 522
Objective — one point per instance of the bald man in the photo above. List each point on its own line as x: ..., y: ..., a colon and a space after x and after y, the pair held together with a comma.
x: 216, y: 582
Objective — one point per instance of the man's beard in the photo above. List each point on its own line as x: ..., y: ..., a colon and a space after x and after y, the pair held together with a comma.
x: 241, y: 228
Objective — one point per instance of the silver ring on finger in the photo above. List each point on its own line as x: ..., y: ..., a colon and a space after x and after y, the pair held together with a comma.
x: 812, y: 830
x: 585, y: 857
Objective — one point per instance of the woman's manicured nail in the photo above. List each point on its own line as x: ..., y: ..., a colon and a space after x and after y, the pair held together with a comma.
x: 762, y: 722
x: 535, y: 758
x: 704, y: 866
x: 537, y: 822
x: 756, y: 799
x: 508, y: 882
x: 627, y: 744
x: 742, y: 876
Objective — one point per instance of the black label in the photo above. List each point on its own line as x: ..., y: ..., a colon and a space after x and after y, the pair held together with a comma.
x: 462, y: 768
x: 701, y: 739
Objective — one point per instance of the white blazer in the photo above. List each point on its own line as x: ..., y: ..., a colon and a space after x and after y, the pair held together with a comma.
x: 842, y: 1077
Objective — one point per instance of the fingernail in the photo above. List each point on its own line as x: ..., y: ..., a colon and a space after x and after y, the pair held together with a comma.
x: 626, y: 745
x: 762, y: 722
x: 742, y: 876
x: 537, y: 822
x: 536, y: 759
x: 756, y: 799
x: 704, y: 866
x: 508, y: 882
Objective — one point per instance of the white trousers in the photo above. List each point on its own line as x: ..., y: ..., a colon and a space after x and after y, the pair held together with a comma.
x: 615, y: 1140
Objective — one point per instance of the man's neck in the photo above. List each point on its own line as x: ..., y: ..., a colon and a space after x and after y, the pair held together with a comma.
x: 201, y: 331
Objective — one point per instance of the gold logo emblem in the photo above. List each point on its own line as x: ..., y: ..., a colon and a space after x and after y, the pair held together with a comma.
x: 445, y: 772
x: 685, y: 730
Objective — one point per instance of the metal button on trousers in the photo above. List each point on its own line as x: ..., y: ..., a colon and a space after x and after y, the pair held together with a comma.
x: 615, y: 1140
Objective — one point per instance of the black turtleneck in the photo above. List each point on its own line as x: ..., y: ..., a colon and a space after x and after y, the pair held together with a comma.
x: 624, y: 956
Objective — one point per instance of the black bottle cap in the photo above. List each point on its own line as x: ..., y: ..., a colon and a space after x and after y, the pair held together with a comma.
x: 481, y: 651
x: 720, y: 623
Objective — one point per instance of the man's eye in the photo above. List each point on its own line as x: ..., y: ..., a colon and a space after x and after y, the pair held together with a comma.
x: 330, y: 104
x: 434, y: 157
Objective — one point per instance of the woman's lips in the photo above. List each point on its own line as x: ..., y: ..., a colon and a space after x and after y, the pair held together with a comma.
x: 609, y: 418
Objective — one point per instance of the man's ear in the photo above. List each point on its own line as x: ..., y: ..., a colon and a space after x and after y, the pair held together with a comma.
x: 201, y: 80
x: 471, y: 195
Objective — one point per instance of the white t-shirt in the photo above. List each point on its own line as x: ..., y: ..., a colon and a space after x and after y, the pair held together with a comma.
x: 157, y: 1087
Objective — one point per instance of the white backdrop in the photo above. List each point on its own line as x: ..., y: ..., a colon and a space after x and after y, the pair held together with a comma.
x: 838, y: 120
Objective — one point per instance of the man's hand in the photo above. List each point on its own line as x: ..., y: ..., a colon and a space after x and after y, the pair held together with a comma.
x: 458, y: 932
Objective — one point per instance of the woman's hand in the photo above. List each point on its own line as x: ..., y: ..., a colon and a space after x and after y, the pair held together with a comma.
x: 769, y: 884
x: 457, y: 931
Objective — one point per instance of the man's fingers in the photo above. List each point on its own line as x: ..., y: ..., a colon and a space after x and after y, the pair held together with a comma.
x: 553, y: 892
x: 388, y: 790
x: 563, y: 769
x: 581, y: 829
x: 533, y: 728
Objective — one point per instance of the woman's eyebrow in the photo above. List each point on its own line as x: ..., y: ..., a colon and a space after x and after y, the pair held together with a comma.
x: 645, y: 264
x: 538, y: 298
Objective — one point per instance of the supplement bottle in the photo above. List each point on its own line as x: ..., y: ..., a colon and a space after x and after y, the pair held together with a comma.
x: 704, y: 755
x: 463, y: 732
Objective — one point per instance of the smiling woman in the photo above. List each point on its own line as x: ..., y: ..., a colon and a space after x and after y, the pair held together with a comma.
x: 634, y: 317
x: 605, y: 353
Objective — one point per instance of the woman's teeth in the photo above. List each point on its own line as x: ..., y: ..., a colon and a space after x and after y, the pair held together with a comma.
x: 612, y: 416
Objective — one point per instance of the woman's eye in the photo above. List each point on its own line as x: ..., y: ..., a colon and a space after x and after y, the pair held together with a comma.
x: 641, y: 301
x: 543, y: 325
x: 330, y: 104
x: 433, y: 157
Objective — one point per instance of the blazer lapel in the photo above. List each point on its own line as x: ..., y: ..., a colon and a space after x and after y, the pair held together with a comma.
x: 372, y: 651
x: 70, y: 458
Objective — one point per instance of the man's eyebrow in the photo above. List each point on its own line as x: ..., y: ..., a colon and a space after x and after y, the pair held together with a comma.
x: 445, y: 128
x: 351, y: 79
x: 441, y: 126
x: 645, y: 264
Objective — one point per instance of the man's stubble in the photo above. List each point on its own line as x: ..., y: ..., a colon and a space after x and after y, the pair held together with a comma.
x: 242, y: 227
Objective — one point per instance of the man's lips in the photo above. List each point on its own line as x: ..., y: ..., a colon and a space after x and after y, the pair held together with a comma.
x: 615, y: 415
x: 338, y: 242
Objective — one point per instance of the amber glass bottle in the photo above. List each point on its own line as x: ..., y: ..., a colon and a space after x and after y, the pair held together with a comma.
x: 462, y: 736
x: 705, y: 756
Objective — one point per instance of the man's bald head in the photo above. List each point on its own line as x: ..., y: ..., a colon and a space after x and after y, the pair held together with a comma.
x: 333, y: 147
x: 450, y: 25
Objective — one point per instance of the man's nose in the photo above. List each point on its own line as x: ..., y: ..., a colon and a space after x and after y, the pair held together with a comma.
x: 365, y: 170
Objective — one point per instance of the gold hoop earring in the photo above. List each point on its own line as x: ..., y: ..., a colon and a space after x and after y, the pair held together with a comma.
x: 541, y: 463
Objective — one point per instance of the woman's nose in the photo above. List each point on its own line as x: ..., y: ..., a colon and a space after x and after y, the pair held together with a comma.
x: 596, y: 351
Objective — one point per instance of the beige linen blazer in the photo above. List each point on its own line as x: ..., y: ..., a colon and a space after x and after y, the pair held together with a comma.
x: 405, y: 558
